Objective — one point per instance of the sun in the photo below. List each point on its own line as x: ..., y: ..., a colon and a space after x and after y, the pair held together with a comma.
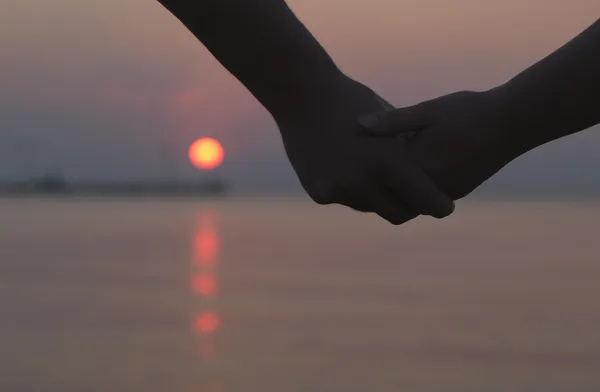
x: 206, y: 153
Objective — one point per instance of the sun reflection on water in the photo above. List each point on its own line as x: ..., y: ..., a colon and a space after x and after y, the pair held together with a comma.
x: 204, y: 285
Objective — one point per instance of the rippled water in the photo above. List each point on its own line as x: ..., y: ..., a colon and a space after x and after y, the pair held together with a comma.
x: 283, y: 295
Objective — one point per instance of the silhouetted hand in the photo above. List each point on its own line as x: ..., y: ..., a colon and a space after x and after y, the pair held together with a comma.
x: 460, y: 140
x: 337, y: 162
x: 266, y: 47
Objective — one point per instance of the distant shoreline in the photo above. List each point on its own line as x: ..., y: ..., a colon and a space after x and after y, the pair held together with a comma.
x: 121, y: 189
x: 217, y: 188
x: 265, y: 195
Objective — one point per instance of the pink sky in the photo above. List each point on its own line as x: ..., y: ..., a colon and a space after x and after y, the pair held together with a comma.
x: 131, y: 59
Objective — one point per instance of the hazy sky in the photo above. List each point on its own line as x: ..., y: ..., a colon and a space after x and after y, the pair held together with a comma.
x: 118, y: 88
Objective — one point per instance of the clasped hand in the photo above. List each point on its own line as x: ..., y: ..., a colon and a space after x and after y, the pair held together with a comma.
x: 355, y: 149
x: 338, y: 162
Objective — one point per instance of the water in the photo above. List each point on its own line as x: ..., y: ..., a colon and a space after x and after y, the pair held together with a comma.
x: 283, y: 295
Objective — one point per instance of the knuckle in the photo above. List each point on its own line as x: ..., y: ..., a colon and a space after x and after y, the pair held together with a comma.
x: 315, y: 187
x: 360, y: 206
x: 320, y: 197
x: 397, y: 221
x: 351, y: 194
x: 334, y: 185
x: 439, y: 215
x: 443, y: 212
x: 393, y: 221
x: 398, y: 218
x: 321, y: 193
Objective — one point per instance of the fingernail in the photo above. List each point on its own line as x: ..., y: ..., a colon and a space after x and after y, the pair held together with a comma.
x: 369, y: 121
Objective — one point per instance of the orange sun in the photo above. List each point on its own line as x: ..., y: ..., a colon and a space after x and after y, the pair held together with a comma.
x: 206, y: 153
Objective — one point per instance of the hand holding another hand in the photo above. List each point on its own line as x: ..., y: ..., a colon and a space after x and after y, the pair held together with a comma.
x: 338, y: 163
x: 459, y: 140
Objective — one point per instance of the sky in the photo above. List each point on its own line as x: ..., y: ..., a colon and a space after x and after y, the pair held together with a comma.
x: 116, y: 89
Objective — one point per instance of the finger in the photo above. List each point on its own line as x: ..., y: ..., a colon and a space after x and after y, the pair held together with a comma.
x: 386, y: 205
x: 399, y: 121
x: 415, y: 188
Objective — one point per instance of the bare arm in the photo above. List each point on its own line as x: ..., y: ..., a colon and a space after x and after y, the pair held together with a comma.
x: 268, y: 49
x: 264, y: 45
x: 462, y: 139
x: 558, y: 96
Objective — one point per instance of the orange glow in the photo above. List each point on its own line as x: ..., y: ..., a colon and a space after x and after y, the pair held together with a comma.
x: 207, y: 323
x: 206, y: 153
x: 206, y: 246
x: 204, y: 285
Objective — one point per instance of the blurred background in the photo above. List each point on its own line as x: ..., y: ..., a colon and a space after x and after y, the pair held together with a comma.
x: 243, y: 284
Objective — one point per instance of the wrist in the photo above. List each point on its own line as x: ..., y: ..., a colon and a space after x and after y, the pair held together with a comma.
x: 300, y: 97
x: 517, y: 119
x: 543, y: 112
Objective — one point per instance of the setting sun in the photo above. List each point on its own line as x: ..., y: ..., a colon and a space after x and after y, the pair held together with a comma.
x: 206, y: 153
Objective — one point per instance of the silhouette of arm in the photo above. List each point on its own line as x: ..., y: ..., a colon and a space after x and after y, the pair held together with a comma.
x: 315, y: 105
x: 558, y: 96
x: 462, y: 139
x: 263, y: 44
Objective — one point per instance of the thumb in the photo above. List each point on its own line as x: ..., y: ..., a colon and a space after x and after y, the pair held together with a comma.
x: 399, y: 121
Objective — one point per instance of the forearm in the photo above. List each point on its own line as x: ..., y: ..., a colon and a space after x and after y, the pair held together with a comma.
x: 263, y: 45
x: 559, y: 95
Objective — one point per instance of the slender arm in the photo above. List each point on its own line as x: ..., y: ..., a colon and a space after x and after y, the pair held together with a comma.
x: 264, y: 45
x: 560, y: 95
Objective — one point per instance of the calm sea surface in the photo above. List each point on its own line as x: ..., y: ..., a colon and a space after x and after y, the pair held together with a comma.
x: 283, y: 295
